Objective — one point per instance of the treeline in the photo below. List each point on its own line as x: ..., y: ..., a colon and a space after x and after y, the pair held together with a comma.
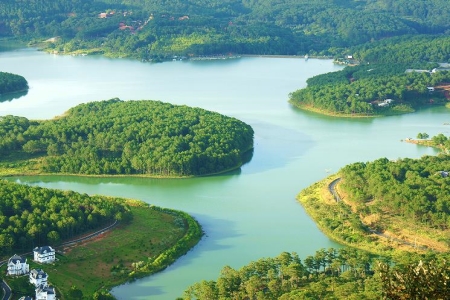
x: 440, y: 141
x: 408, y: 49
x: 131, y: 137
x: 330, y: 274
x: 10, y: 83
x: 31, y: 216
x: 364, y: 90
x: 413, y: 189
x: 155, y: 28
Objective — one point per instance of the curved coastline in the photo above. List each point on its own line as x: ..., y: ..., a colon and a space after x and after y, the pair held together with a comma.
x: 324, y: 203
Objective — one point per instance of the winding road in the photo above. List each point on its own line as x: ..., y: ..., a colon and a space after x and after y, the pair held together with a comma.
x: 7, y: 290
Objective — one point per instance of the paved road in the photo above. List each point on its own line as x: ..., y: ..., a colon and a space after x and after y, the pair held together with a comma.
x: 6, y: 289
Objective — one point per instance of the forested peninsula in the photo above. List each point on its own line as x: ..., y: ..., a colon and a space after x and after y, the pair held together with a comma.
x: 12, y: 83
x: 385, y: 205
x: 392, y: 76
x: 145, y: 239
x: 115, y: 137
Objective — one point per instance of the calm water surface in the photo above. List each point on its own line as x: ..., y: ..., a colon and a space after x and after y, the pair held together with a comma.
x: 246, y: 214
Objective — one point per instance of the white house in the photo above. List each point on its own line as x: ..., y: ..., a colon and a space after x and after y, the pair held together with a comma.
x: 45, y: 293
x: 38, y: 277
x: 17, y: 265
x: 45, y: 254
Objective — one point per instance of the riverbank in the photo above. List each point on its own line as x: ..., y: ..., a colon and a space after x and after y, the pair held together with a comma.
x: 391, y: 112
x: 150, y: 242
x: 338, y: 221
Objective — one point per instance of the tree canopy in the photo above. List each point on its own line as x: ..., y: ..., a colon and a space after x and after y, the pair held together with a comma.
x: 373, y: 89
x: 10, y: 83
x: 31, y: 216
x: 131, y: 137
x: 153, y: 29
x: 416, y: 190
x: 330, y: 274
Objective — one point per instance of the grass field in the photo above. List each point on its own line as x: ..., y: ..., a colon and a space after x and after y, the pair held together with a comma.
x: 122, y: 254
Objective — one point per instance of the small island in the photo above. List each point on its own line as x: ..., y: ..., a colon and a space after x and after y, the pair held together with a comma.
x: 116, y: 137
x: 12, y: 83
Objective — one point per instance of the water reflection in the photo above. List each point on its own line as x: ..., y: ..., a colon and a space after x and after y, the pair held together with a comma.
x: 12, y: 96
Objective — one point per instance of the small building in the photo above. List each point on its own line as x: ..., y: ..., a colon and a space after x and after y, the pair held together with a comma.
x: 38, y: 277
x: 385, y: 102
x: 45, y: 293
x: 17, y: 265
x: 26, y: 298
x: 45, y: 254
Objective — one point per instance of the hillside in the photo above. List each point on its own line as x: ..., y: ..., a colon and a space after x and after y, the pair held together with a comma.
x: 118, y: 137
x: 156, y: 29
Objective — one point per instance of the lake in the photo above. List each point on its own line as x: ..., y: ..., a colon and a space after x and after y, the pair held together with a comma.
x: 246, y: 214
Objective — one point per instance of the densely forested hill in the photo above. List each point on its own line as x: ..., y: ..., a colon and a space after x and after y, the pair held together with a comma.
x: 37, y: 216
x: 156, y: 28
x: 10, y: 83
x: 372, y: 89
x: 131, y: 137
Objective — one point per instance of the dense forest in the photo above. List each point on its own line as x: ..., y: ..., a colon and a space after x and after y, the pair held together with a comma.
x: 374, y: 89
x: 384, y: 192
x: 10, y: 83
x: 331, y: 274
x: 33, y: 216
x: 155, y: 29
x: 131, y: 137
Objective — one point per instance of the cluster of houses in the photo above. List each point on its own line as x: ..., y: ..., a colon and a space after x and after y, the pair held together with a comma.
x: 17, y: 265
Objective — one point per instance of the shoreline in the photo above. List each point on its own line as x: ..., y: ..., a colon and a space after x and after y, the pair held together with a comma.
x: 337, y: 221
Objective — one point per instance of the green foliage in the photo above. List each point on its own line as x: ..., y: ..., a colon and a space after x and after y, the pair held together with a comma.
x: 156, y: 29
x: 425, y: 279
x: 343, y: 273
x: 422, y: 135
x: 132, y: 137
x: 37, y: 216
x: 10, y: 83
x: 287, y: 277
x: 365, y: 90
x: 409, y: 49
x: 414, y: 189
x: 128, y: 252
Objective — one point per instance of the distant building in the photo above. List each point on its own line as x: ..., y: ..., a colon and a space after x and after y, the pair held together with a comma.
x: 17, y: 265
x: 45, y: 254
x: 45, y: 293
x: 385, y: 102
x: 38, y: 277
